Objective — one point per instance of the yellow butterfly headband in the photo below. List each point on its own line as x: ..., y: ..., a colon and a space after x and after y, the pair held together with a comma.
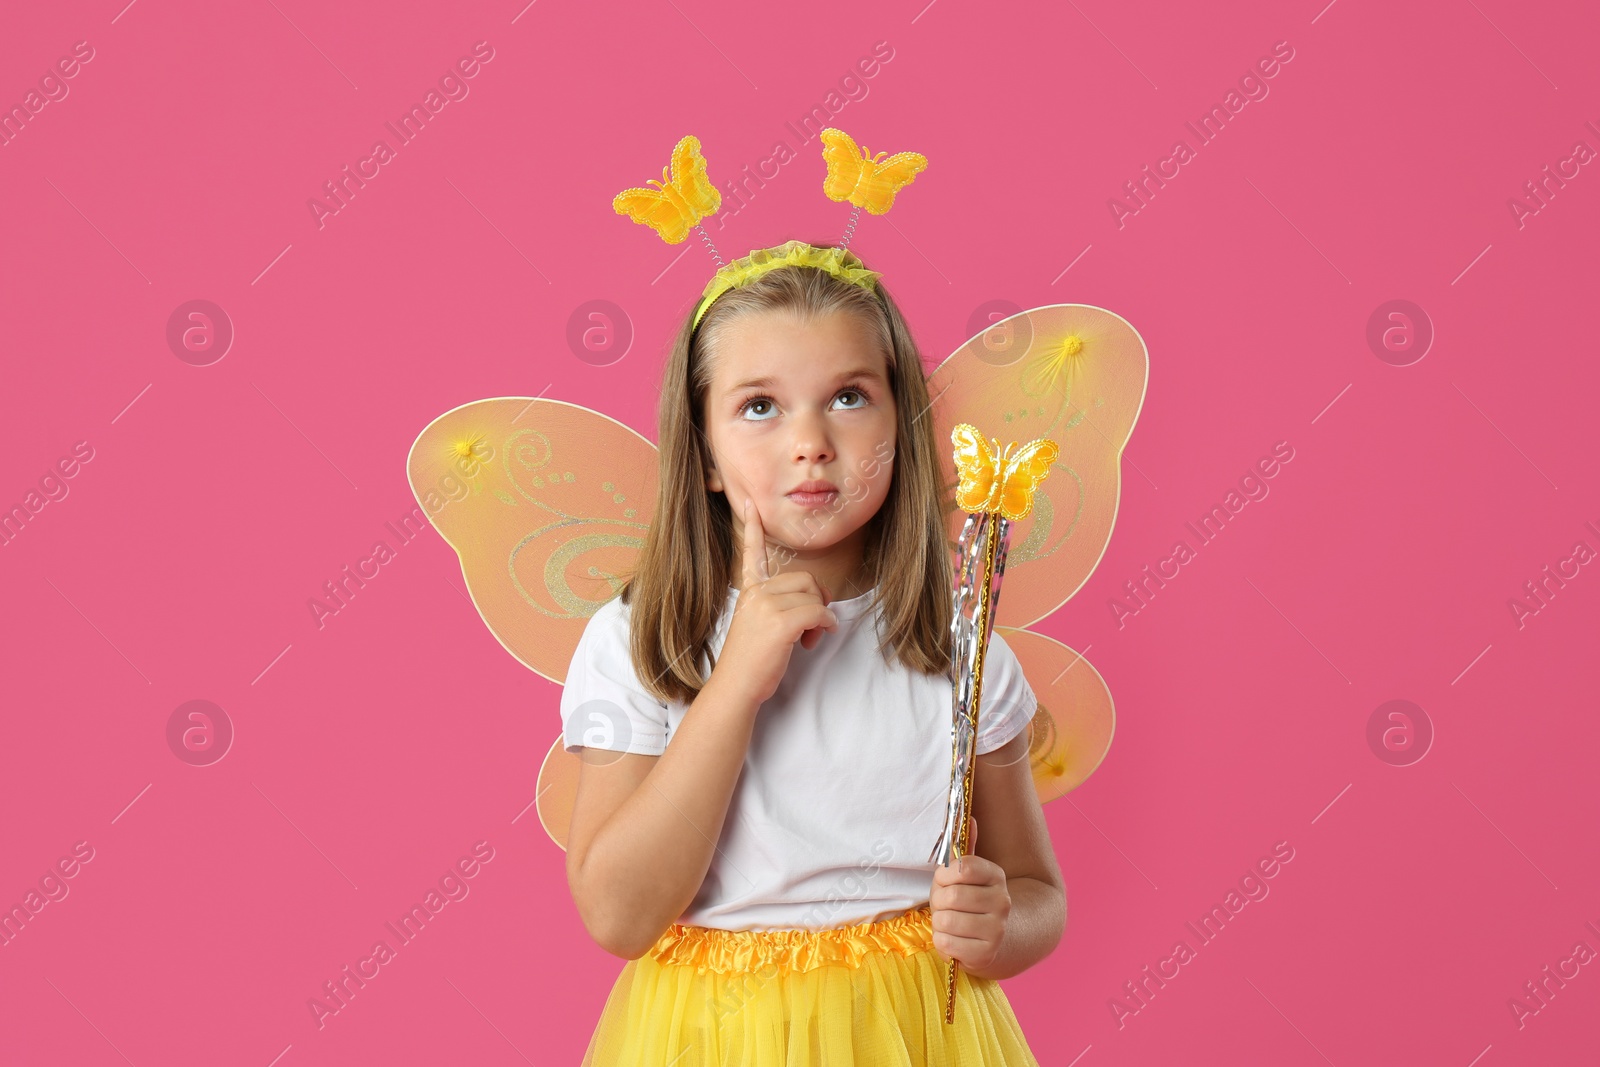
x: 679, y: 201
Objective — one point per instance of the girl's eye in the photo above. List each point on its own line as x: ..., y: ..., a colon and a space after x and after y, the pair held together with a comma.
x: 750, y: 405
x: 856, y: 393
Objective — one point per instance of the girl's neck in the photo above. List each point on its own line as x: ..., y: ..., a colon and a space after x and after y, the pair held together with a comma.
x: 843, y: 583
x: 858, y: 583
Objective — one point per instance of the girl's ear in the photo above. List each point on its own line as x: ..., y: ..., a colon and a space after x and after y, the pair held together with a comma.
x: 713, y: 480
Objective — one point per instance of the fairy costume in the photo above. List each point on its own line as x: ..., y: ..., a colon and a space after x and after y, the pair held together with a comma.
x: 557, y: 500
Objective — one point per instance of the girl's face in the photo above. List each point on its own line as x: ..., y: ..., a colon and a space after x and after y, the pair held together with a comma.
x: 793, y: 402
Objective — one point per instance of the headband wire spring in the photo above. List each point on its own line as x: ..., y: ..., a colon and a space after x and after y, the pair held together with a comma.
x: 706, y: 237
x: 850, y: 227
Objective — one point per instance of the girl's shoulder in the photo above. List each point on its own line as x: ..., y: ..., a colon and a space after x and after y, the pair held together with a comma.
x: 603, y: 703
x: 607, y: 637
x: 610, y: 615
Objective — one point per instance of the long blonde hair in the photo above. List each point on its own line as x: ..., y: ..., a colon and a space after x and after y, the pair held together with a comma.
x: 679, y: 587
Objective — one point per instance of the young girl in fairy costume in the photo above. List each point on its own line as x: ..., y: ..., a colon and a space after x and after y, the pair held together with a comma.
x: 753, y: 819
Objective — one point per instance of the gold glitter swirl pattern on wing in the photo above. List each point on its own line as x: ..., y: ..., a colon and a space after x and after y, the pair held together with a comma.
x: 546, y: 503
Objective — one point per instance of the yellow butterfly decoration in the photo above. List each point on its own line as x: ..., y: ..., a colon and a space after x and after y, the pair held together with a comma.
x: 855, y: 175
x: 999, y: 482
x: 677, y: 203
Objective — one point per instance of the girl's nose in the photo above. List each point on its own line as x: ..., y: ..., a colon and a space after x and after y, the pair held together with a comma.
x: 811, y: 441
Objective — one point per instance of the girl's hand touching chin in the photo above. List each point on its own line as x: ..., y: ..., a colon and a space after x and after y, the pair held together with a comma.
x: 772, y: 613
x: 970, y: 905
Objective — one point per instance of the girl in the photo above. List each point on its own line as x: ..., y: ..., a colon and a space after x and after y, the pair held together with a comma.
x: 764, y: 716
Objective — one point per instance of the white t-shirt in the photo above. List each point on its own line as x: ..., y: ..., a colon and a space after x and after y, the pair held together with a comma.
x: 845, y: 781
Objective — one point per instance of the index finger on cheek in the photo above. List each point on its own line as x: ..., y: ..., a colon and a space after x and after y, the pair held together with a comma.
x: 755, y: 549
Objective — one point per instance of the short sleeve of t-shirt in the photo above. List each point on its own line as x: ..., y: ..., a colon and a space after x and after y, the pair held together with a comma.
x: 1008, y: 701
x: 603, y: 704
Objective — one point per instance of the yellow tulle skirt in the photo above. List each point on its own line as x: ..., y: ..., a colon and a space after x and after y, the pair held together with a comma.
x: 870, y: 995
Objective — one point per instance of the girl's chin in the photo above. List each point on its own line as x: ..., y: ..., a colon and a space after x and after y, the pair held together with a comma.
x: 801, y: 541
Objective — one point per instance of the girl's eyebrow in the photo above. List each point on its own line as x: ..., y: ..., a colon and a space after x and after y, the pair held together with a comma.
x: 768, y: 382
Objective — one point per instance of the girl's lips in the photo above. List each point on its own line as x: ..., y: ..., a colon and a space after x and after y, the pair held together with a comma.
x: 811, y: 500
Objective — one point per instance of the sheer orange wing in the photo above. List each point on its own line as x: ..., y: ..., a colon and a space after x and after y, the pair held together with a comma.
x: 547, y: 523
x: 546, y: 503
x: 1075, y: 375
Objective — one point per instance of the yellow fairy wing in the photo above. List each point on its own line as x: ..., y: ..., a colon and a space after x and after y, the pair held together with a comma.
x: 690, y: 180
x: 1075, y: 375
x: 844, y: 161
x: 976, y: 466
x: 1071, y: 732
x: 1070, y: 373
x: 547, y: 524
x: 1024, y: 471
x: 546, y: 503
x: 655, y: 210
x: 882, y: 180
x: 557, y: 790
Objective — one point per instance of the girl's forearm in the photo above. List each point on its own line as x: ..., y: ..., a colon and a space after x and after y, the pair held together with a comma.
x: 645, y: 865
x: 1033, y: 928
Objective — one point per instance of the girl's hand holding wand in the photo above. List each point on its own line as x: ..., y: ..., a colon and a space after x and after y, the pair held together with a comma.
x: 771, y: 615
x: 970, y: 903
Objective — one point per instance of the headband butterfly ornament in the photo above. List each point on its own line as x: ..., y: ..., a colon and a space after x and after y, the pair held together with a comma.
x: 547, y: 503
x: 680, y: 200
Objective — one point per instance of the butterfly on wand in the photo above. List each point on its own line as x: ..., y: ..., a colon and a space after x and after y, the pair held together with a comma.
x: 992, y: 479
x: 547, y: 503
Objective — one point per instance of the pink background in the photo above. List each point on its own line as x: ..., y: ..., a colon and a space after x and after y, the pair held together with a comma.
x: 373, y: 752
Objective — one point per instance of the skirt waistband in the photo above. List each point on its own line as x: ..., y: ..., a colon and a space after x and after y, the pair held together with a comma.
x: 781, y: 952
